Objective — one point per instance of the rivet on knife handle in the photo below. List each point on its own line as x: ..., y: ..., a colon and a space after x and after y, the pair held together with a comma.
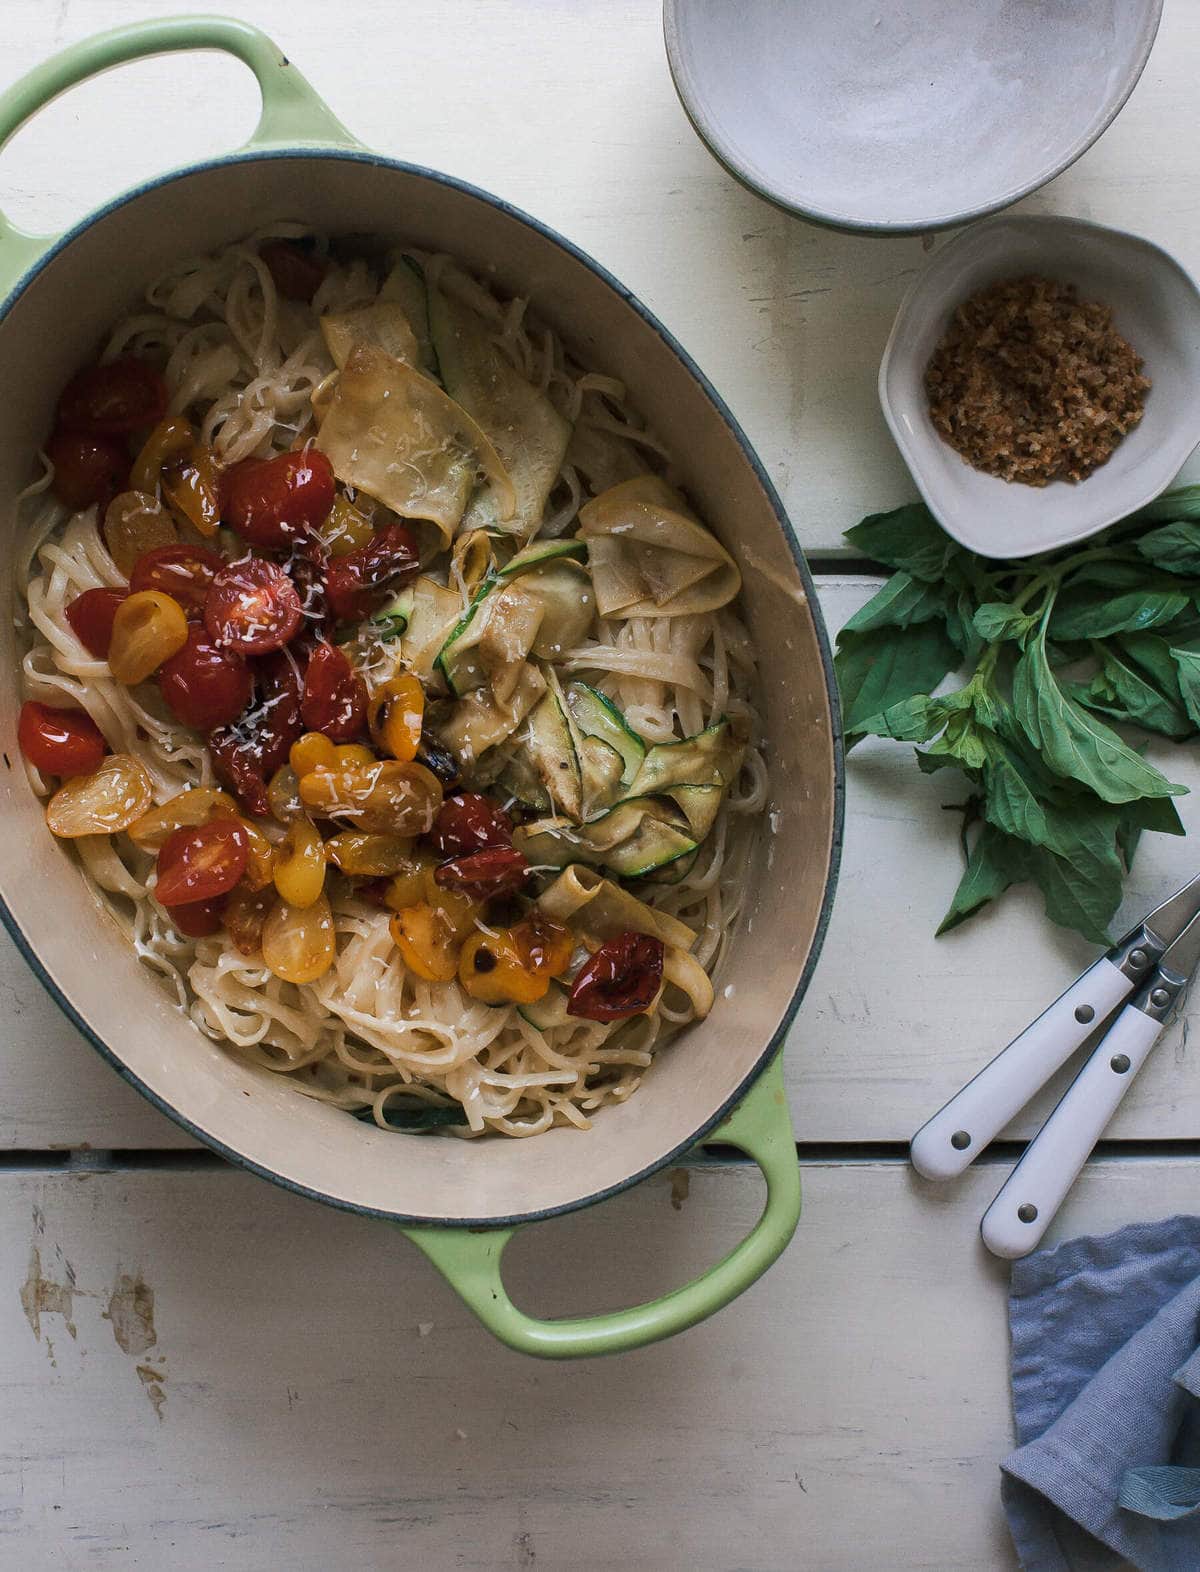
x: 949, y: 1143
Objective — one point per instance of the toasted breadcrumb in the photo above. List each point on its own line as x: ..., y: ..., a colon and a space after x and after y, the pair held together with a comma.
x: 1032, y: 384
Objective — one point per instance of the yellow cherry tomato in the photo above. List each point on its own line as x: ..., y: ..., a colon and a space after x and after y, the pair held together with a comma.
x: 395, y: 715
x: 299, y: 943
x: 149, y: 628
x: 300, y: 867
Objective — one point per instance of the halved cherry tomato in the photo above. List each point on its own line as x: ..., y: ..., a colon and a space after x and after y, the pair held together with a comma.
x: 91, y: 617
x: 204, y: 685
x: 621, y: 979
x: 297, y: 271
x: 60, y: 742
x: 183, y: 572
x: 200, y: 862
x: 192, y: 486
x: 252, y: 607
x: 497, y: 870
x: 335, y: 696
x: 271, y: 502
x: 198, y: 919
x: 115, y: 795
x: 245, y: 913
x: 88, y: 468
x: 468, y: 822
x: 112, y: 400
x: 134, y: 523
x: 356, y: 582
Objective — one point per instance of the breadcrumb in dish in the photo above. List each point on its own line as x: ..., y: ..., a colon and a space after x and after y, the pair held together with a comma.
x: 1032, y: 384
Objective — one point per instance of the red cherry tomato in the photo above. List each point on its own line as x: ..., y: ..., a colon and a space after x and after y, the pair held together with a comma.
x: 87, y: 468
x: 335, y: 696
x: 297, y: 271
x: 271, y: 502
x: 497, y: 870
x: 252, y: 607
x: 205, y: 686
x: 185, y: 573
x: 356, y: 582
x: 245, y: 756
x: 91, y: 617
x: 111, y: 400
x: 620, y: 979
x: 60, y: 742
x: 469, y: 822
x: 199, y: 919
x: 201, y: 861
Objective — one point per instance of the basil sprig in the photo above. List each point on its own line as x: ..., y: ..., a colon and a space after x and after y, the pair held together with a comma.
x: 1069, y: 660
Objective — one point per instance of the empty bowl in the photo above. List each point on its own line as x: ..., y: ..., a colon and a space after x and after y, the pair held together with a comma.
x: 1156, y: 309
x: 894, y: 118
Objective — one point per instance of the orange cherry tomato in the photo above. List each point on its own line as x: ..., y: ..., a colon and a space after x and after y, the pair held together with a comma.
x: 91, y: 617
x: 88, y: 468
x: 252, y: 607
x: 183, y: 572
x: 272, y: 502
x: 111, y: 400
x: 200, y: 862
x: 246, y: 912
x: 296, y: 270
x: 60, y: 742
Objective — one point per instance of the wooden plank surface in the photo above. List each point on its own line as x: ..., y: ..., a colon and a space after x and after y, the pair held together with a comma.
x: 886, y: 1034
x: 568, y: 110
x: 229, y: 1376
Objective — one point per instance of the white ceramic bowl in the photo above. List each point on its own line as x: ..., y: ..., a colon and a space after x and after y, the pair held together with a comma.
x: 903, y: 117
x: 1156, y: 307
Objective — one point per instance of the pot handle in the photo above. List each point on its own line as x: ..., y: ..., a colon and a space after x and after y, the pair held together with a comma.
x: 292, y: 113
x: 470, y: 1259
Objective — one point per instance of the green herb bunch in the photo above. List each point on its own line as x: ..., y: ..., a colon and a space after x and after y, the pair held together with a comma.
x: 1059, y: 650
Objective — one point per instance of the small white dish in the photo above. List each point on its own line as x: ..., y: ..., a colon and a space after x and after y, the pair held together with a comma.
x: 893, y: 118
x: 1156, y: 308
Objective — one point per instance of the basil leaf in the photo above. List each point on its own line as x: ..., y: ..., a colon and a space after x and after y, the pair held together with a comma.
x: 995, y: 620
x: 1182, y: 503
x: 1175, y: 547
x: 1152, y: 653
x: 878, y: 669
x: 908, y: 538
x: 912, y: 720
x: 1120, y: 690
x: 1079, y: 894
x: 902, y: 602
x: 1187, y: 664
x: 996, y: 861
x: 1073, y: 742
x: 1091, y: 615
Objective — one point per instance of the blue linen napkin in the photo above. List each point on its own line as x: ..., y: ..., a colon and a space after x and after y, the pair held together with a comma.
x: 1105, y: 1381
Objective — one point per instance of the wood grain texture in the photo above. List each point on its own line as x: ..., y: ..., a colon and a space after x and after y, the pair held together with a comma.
x: 323, y: 1399
x: 568, y: 111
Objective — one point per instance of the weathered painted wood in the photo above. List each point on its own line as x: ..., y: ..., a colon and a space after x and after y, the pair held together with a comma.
x: 568, y: 110
x: 226, y: 1375
x: 887, y: 1033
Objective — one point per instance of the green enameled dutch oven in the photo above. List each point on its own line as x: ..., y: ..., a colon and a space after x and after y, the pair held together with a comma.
x: 459, y: 1201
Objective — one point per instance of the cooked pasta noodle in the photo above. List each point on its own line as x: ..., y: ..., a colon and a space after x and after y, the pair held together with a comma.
x: 370, y: 1034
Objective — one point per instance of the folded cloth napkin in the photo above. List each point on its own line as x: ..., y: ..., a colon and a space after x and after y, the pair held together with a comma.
x: 1106, y: 1382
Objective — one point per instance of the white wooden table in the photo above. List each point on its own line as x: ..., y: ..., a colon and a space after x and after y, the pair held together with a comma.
x: 199, y: 1371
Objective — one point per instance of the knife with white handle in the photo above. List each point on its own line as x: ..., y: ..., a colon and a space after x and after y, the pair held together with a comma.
x: 1016, y: 1220
x: 946, y: 1145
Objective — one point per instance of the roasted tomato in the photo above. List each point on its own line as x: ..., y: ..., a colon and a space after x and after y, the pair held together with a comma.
x: 271, y: 502
x: 198, y: 919
x: 469, y: 822
x: 244, y: 915
x: 183, y: 572
x: 60, y: 742
x: 205, y: 686
x: 113, y: 400
x: 88, y: 468
x: 248, y: 754
x: 91, y: 617
x: 356, y: 582
x: 200, y: 862
x: 621, y: 979
x: 335, y: 696
x: 297, y: 270
x: 252, y: 607
x: 497, y: 870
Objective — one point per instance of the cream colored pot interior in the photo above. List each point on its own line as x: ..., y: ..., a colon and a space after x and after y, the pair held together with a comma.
x: 56, y: 324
